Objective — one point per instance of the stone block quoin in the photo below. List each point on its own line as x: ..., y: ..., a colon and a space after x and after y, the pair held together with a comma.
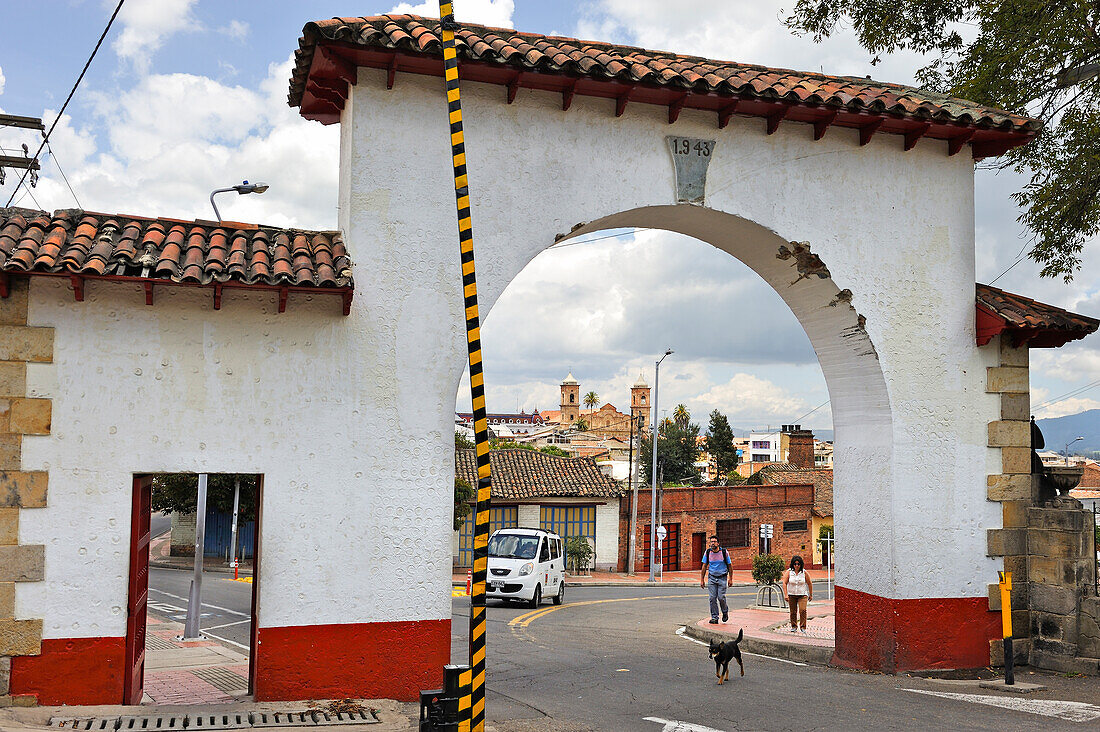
x: 20, y: 344
x: 1013, y: 487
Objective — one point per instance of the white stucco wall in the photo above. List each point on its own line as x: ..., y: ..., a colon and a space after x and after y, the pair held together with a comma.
x: 350, y: 419
x: 894, y: 227
x: 357, y: 497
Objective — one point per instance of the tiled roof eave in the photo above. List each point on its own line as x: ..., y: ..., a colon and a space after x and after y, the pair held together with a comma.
x: 326, y: 62
x: 1027, y: 321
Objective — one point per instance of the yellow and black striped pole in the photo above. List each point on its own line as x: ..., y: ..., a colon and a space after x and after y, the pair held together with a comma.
x: 474, y: 704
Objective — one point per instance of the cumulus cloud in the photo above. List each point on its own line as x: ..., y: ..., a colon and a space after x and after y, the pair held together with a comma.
x: 147, y: 24
x: 496, y: 13
x: 2, y: 80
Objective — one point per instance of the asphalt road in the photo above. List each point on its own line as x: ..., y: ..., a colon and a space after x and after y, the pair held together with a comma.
x: 610, y: 658
x: 226, y: 604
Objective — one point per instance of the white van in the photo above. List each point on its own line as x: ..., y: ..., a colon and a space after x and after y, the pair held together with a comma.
x: 526, y: 565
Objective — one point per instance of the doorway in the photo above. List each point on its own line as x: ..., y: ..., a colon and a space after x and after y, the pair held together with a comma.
x: 217, y: 665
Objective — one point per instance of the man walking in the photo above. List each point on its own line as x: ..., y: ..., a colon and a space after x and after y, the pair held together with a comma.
x: 716, y: 566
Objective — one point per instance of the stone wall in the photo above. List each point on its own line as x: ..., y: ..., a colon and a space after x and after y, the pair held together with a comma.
x: 20, y: 490
x: 1061, y: 587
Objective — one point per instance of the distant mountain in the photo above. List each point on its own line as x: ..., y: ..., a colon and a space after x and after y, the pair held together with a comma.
x: 1060, y: 430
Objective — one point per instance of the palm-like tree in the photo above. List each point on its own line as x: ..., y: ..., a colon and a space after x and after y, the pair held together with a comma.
x: 580, y: 425
x: 591, y: 399
x: 681, y: 416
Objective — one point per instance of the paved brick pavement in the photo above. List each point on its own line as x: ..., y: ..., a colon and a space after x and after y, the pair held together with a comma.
x: 191, y: 672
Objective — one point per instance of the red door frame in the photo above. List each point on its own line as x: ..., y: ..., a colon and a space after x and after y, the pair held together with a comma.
x: 137, y: 602
x: 698, y: 544
x: 670, y: 548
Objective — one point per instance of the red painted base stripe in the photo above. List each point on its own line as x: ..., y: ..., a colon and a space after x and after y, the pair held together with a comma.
x: 72, y: 671
x: 360, y: 660
x: 881, y: 634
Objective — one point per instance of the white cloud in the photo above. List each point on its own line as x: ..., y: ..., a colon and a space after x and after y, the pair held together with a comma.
x: 147, y: 24
x: 496, y: 13
x: 236, y: 29
x: 2, y: 80
x: 160, y: 147
x: 747, y: 399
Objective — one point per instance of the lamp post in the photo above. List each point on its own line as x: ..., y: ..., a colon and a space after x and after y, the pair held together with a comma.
x: 1066, y: 450
x: 653, y: 504
x: 242, y: 189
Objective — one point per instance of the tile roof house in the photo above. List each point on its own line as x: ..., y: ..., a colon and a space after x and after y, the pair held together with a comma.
x: 787, y: 474
x: 330, y: 50
x: 1027, y: 321
x: 528, y: 474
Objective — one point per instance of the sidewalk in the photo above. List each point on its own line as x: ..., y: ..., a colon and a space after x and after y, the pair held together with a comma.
x: 160, y: 556
x: 767, y: 632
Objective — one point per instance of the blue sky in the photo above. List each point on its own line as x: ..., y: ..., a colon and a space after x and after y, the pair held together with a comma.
x: 190, y: 95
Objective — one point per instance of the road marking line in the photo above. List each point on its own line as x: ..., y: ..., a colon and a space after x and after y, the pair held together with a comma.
x: 226, y: 640
x: 524, y: 620
x: 205, y: 604
x: 1068, y: 710
x: 685, y: 636
x: 226, y: 625
x: 674, y: 725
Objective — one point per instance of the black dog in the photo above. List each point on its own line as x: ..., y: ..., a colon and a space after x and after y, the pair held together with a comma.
x: 722, y: 653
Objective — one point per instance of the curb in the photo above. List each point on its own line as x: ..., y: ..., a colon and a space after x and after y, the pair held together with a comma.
x: 621, y: 584
x: 205, y: 570
x: 813, y: 655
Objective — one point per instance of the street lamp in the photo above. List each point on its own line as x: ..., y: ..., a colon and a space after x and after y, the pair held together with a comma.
x: 1066, y: 451
x: 653, y: 505
x: 241, y: 189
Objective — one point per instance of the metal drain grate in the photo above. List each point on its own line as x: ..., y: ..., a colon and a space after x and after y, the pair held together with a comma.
x: 85, y: 723
x: 219, y: 721
x: 324, y: 719
x: 151, y: 723
x: 283, y: 719
x: 222, y: 720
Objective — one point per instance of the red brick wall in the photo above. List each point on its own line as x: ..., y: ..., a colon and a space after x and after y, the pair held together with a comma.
x: 800, y: 450
x: 698, y: 510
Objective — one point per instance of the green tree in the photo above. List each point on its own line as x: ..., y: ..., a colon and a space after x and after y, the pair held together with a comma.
x: 767, y: 568
x: 581, y: 424
x: 591, y: 399
x: 553, y: 450
x: 462, y: 442
x: 677, y: 450
x: 681, y: 416
x: 1030, y: 57
x: 464, y: 496
x: 180, y: 492
x: 720, y: 444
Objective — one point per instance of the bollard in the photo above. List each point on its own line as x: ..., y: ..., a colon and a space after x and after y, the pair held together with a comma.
x: 236, y: 566
x: 469, y: 580
x: 1006, y: 623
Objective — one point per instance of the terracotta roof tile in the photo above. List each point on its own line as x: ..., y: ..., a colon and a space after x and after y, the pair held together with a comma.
x: 1028, y: 321
x: 520, y: 474
x: 353, y: 40
x: 86, y: 243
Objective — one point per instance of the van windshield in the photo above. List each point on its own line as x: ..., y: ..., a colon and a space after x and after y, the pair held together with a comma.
x: 513, y: 546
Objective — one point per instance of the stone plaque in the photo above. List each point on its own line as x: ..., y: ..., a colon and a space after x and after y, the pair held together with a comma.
x: 691, y: 156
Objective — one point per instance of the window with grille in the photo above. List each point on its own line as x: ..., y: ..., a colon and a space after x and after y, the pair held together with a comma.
x: 733, y: 533
x: 794, y: 525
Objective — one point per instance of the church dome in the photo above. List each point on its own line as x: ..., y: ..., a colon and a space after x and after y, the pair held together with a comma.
x: 569, y: 380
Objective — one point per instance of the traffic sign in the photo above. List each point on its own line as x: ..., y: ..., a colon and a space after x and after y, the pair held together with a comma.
x: 662, y: 532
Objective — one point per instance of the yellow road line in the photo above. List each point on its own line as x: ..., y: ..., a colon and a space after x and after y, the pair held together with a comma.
x: 524, y: 620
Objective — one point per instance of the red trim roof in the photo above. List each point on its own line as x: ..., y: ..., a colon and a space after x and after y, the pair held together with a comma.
x: 85, y: 245
x: 1027, y: 321
x: 330, y: 50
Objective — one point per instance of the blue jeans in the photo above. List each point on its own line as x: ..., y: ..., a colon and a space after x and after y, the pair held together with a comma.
x: 716, y: 588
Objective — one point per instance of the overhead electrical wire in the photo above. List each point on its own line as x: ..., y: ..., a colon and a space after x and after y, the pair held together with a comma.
x: 53, y: 157
x: 61, y: 112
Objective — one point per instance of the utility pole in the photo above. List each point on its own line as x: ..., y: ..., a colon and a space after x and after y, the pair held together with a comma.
x: 633, y: 487
x: 236, y: 506
x: 15, y: 161
x: 194, y: 599
x: 653, y: 491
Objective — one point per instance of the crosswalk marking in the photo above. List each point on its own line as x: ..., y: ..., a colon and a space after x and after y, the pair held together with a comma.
x: 1067, y: 710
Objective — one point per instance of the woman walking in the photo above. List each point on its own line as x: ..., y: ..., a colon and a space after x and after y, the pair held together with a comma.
x: 799, y: 590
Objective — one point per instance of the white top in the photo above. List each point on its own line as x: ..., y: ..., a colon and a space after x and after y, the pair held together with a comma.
x: 796, y: 583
